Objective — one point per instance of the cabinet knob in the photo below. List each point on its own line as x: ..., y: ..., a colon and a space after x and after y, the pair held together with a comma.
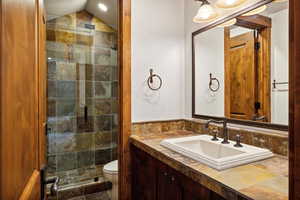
x: 165, y: 173
x: 173, y: 179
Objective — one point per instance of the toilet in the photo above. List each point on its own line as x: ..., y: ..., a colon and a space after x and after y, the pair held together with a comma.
x: 110, y: 171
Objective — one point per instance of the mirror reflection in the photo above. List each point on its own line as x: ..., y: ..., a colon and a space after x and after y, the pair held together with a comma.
x: 241, y: 67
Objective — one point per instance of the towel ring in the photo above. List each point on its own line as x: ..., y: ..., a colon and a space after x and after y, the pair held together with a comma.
x: 211, y: 79
x: 150, y: 80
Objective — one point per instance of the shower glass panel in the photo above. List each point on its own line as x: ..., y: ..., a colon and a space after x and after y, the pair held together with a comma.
x: 82, y: 90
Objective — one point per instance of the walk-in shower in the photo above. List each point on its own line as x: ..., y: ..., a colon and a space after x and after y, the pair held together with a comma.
x: 82, y: 58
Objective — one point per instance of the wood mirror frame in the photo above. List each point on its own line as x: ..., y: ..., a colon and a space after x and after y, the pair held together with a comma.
x: 230, y: 120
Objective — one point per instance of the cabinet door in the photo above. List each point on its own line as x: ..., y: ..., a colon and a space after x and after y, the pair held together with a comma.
x: 168, y: 184
x: 143, y: 176
x: 197, y: 195
x: 195, y: 191
x: 215, y: 196
x: 201, y: 195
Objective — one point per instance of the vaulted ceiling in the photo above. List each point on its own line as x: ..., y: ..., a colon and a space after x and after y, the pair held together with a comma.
x: 58, y: 8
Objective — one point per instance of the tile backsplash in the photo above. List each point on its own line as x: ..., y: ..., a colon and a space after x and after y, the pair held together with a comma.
x: 276, y: 141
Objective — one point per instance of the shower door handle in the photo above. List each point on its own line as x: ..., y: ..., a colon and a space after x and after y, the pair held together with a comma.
x: 54, y: 187
x: 54, y: 181
x: 85, y: 113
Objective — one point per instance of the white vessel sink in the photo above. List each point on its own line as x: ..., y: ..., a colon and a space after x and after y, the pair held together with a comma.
x: 215, y: 154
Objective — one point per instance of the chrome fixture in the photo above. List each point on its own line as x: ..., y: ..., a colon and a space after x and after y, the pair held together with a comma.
x: 225, y: 129
x: 238, y: 141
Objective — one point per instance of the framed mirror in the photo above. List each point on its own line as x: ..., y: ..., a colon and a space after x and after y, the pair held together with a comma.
x: 240, y: 67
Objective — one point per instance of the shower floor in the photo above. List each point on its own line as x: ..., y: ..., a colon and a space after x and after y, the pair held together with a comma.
x: 95, y: 196
x: 84, y: 191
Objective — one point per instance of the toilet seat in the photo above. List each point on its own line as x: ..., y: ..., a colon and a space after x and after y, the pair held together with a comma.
x: 111, y: 167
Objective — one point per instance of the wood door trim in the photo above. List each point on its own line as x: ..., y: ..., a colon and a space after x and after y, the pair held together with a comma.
x: 1, y: 92
x: 29, y: 191
x: 42, y: 75
x: 294, y: 99
x: 226, y: 72
x: 264, y: 71
x: 254, y: 22
x: 125, y: 99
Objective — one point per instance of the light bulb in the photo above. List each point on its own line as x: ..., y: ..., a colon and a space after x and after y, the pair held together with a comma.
x: 229, y: 3
x: 228, y: 23
x: 102, y: 7
x: 205, y: 13
x: 256, y: 11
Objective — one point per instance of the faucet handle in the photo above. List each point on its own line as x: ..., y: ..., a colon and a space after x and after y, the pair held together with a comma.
x: 215, y: 134
x: 238, y: 141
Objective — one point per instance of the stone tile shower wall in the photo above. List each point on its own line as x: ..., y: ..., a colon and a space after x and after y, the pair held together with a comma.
x: 82, y: 74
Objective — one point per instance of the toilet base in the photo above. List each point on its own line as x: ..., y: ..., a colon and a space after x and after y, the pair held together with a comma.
x: 113, y: 193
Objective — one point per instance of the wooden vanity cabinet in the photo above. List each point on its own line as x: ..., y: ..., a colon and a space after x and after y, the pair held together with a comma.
x: 154, y: 180
x: 168, y: 183
x: 144, y: 177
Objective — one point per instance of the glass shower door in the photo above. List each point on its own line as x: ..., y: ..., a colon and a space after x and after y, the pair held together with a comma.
x: 82, y: 97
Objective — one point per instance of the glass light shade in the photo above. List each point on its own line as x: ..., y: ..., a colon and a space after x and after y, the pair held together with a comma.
x: 228, y: 23
x: 205, y: 13
x: 256, y: 11
x: 229, y: 3
x: 102, y: 7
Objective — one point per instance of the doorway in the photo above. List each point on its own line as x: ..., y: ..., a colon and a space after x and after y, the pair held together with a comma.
x: 247, y: 69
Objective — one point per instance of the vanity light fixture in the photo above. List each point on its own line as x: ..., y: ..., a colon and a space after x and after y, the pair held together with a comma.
x: 228, y: 23
x: 256, y: 11
x: 205, y: 13
x: 102, y: 7
x: 229, y: 3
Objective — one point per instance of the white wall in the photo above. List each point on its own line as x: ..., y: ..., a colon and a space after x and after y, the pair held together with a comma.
x: 280, y: 66
x: 209, y: 51
x: 158, y: 43
x: 209, y: 58
x: 161, y: 39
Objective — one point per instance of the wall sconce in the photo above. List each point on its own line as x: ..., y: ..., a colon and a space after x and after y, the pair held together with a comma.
x: 205, y: 13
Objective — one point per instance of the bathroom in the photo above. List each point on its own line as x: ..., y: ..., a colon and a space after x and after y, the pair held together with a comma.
x: 149, y: 99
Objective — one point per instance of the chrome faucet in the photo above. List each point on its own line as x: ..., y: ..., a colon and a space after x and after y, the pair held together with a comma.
x: 225, y: 130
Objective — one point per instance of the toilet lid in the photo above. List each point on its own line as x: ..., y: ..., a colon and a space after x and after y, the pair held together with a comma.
x: 111, y: 167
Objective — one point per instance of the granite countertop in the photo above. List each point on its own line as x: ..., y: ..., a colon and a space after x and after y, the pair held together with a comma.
x: 262, y: 180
